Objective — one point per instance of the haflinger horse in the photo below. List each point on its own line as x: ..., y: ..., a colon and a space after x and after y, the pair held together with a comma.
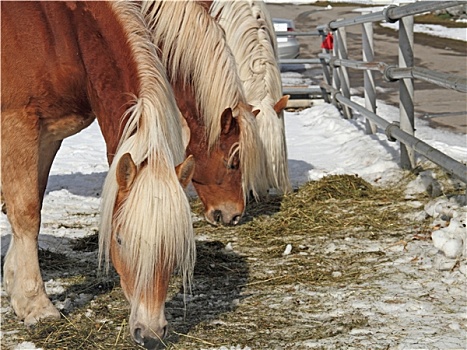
x: 223, y: 133
x: 63, y: 65
x: 251, y: 37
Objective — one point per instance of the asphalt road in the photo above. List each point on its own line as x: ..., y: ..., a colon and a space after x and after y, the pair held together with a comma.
x: 442, y: 107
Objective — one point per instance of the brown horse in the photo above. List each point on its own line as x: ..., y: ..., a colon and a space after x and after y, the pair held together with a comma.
x: 63, y: 65
x: 251, y: 37
x: 223, y: 133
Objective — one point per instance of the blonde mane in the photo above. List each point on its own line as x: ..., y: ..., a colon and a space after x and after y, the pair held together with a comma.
x: 193, y: 49
x: 155, y: 220
x: 251, y: 37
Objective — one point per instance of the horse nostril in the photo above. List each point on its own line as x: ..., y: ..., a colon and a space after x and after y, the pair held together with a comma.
x: 217, y: 216
x: 138, y: 337
x: 235, y: 220
x: 149, y: 342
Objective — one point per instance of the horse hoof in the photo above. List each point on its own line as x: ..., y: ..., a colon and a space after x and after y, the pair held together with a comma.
x: 48, y: 313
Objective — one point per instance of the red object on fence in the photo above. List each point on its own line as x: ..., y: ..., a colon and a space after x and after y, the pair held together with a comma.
x: 328, y: 42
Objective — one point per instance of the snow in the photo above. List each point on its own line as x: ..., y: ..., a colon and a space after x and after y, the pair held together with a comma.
x: 26, y: 345
x: 321, y: 142
x: 434, y: 30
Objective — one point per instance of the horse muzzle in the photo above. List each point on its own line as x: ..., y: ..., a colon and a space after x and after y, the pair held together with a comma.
x: 149, y: 339
x: 148, y: 329
x: 219, y: 217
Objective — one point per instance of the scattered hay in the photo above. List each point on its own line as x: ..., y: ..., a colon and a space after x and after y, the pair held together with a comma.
x: 249, y: 294
x: 333, y: 205
x: 100, y: 325
x: 320, y: 212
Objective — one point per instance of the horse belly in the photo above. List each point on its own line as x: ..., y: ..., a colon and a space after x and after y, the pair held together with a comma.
x: 54, y: 129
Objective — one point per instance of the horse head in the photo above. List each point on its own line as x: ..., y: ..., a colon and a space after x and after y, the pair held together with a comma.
x: 147, y: 322
x: 219, y: 175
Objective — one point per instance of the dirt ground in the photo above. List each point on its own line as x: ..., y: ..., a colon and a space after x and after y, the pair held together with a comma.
x: 444, y: 108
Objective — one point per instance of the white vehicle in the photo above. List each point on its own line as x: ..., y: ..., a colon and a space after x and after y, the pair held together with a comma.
x: 288, y: 46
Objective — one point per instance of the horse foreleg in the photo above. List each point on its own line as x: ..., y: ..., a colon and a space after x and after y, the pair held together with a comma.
x: 23, y: 282
x: 22, y: 189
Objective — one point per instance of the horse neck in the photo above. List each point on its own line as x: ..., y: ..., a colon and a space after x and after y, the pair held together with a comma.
x: 198, y: 143
x: 188, y: 106
x: 192, y: 48
x: 111, y: 68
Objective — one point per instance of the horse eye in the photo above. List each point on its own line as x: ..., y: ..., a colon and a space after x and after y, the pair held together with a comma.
x: 119, y: 240
x: 231, y: 165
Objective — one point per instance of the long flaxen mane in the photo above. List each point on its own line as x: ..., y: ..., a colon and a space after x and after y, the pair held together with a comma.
x: 250, y: 34
x: 193, y: 48
x: 154, y: 221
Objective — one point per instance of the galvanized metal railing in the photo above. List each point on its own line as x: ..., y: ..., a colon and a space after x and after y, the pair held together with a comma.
x: 307, y: 91
x: 336, y: 84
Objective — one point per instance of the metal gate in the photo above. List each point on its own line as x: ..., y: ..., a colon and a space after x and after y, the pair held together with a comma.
x: 335, y: 87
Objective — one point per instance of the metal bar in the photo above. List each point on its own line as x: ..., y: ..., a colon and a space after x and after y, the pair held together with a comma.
x: 391, y: 13
x: 450, y: 81
x: 341, y: 38
x: 446, y: 80
x: 327, y: 87
x: 300, y: 61
x: 379, y: 66
x: 368, y: 78
x: 313, y: 90
x: 327, y: 78
x: 326, y: 73
x: 397, y: 12
x: 451, y: 165
x: 371, y: 17
x: 446, y: 114
x: 325, y: 56
x: 324, y: 59
x: 314, y: 33
x: 406, y: 89
x: 335, y: 82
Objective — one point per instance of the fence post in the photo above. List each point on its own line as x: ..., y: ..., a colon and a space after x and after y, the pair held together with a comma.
x: 406, y: 89
x: 368, y: 78
x: 336, y: 83
x: 341, y: 44
x: 326, y: 74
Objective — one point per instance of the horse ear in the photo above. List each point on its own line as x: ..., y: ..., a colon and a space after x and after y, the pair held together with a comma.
x: 185, y: 170
x: 281, y: 104
x: 226, y: 120
x: 126, y: 172
x: 256, y: 112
